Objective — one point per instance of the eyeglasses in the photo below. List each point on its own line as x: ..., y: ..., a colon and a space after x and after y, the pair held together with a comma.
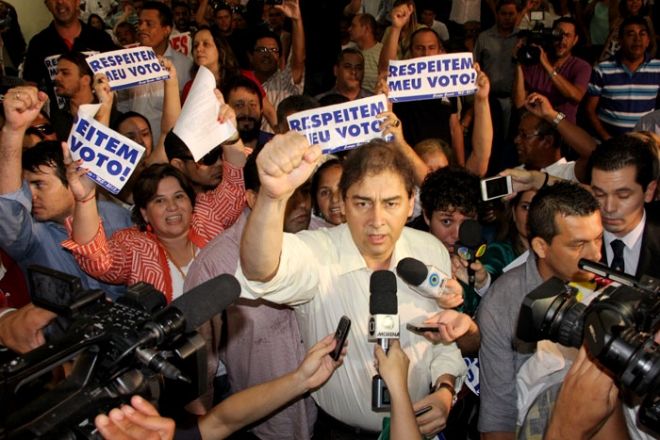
x: 210, y: 158
x: 41, y: 130
x: 264, y: 50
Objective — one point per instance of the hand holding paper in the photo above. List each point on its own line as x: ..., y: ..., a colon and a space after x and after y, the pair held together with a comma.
x: 76, y: 175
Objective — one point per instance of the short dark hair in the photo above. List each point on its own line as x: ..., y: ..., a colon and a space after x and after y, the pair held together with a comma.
x: 633, y: 20
x: 175, y: 148
x: 264, y: 33
x: 426, y: 29
x: 295, y: 103
x: 567, y: 20
x: 180, y: 4
x: 348, y: 51
x: 165, y: 13
x: 246, y: 83
x: 545, y: 128
x: 369, y: 21
x: 79, y: 59
x: 129, y: 114
x: 49, y: 154
x: 316, y: 178
x: 146, y: 187
x: 563, y: 198
x: 372, y: 158
x: 626, y: 150
x: 501, y: 3
x: 450, y: 188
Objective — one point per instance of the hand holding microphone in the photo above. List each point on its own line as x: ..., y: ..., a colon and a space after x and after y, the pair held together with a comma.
x: 430, y: 282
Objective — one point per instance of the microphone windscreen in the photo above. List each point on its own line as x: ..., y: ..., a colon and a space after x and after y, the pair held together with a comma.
x: 469, y: 234
x: 412, y: 271
x: 210, y: 298
x: 382, y: 287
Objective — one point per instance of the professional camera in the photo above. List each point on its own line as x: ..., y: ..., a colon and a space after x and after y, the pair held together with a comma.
x: 135, y: 345
x: 617, y: 328
x: 529, y: 54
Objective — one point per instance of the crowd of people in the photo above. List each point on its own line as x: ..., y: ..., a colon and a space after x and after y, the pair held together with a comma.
x: 566, y: 104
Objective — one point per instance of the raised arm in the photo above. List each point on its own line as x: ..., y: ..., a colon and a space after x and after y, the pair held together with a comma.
x: 391, y: 125
x: 86, y: 219
x: 518, y: 94
x: 570, y: 91
x: 353, y: 7
x: 285, y: 163
x: 21, y: 105
x: 576, y: 137
x: 400, y: 16
x: 256, y: 402
x: 482, y: 132
x: 105, y: 98
x: 200, y: 14
x: 291, y: 9
x: 171, y: 111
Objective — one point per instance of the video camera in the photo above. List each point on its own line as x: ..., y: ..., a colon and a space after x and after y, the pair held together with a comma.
x: 617, y: 328
x: 539, y: 35
x: 135, y: 345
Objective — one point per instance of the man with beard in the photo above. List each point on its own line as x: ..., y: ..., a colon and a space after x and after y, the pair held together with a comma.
x: 275, y: 327
x: 244, y: 97
x: 64, y: 34
x: 559, y: 75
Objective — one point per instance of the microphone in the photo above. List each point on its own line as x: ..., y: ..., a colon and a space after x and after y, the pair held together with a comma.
x: 383, y: 308
x: 192, y: 309
x: 428, y: 281
x: 469, y: 236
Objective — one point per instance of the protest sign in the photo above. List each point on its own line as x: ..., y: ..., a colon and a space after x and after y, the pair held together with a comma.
x: 110, y: 157
x: 432, y: 77
x: 341, y: 126
x: 128, y: 67
x: 197, y: 125
x: 182, y: 43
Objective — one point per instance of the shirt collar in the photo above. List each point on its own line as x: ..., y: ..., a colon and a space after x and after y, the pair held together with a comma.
x: 631, y: 238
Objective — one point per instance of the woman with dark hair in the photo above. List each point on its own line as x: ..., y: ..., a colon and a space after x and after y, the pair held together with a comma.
x: 173, y: 224
x: 326, y: 196
x: 97, y: 22
x: 212, y: 51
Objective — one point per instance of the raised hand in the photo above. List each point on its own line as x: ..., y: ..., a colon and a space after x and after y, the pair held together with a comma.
x: 82, y: 187
x: 393, y: 366
x: 400, y: 15
x: 22, y: 105
x: 451, y: 325
x: 170, y: 67
x: 285, y: 163
x: 318, y: 366
x: 482, y: 83
x: 540, y: 106
x: 291, y: 9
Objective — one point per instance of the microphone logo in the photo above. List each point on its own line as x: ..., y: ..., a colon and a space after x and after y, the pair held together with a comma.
x: 434, y: 279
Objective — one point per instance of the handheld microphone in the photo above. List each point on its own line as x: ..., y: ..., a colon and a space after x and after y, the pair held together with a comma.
x: 192, y: 309
x: 469, y: 236
x: 383, y: 326
x: 383, y: 308
x: 428, y: 281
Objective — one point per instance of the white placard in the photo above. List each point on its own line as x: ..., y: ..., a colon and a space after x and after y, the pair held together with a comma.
x: 128, y: 67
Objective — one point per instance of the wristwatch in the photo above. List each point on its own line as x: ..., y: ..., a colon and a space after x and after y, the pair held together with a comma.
x: 560, y: 117
x: 451, y: 389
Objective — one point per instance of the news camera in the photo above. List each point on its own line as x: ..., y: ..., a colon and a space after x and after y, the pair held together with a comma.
x: 538, y: 35
x: 617, y: 328
x: 135, y: 345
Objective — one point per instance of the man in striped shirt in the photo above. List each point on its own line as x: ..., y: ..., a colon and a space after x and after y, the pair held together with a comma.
x: 625, y: 88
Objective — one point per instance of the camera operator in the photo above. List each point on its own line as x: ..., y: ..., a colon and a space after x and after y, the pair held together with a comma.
x: 564, y: 225
x: 558, y: 75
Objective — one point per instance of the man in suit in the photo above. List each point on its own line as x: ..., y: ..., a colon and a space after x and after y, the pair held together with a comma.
x: 624, y: 176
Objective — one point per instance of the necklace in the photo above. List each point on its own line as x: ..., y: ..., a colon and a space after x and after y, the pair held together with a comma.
x: 176, y: 266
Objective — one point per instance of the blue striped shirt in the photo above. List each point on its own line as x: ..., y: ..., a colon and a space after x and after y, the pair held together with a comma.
x: 625, y: 96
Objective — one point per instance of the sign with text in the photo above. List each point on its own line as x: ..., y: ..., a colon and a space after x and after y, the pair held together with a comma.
x: 128, y: 67
x: 341, y: 127
x: 110, y: 157
x: 431, y: 77
x: 182, y: 43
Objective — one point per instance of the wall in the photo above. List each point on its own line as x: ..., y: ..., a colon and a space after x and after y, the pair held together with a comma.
x: 33, y: 16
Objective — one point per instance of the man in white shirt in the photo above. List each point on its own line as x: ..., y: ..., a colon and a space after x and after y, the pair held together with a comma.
x: 326, y: 273
x: 624, y: 176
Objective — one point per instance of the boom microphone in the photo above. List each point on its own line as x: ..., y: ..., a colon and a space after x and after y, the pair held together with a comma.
x: 428, y: 281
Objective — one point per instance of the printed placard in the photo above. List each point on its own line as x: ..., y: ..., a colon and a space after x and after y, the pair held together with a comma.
x: 182, y: 43
x: 128, y: 67
x: 110, y: 157
x: 431, y: 77
x: 341, y: 127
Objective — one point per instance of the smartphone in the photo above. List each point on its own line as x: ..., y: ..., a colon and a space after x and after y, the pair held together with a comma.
x: 496, y: 187
x: 423, y: 411
x: 420, y: 326
x: 340, y: 335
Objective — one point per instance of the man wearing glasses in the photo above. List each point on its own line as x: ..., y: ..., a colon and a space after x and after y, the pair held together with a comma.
x: 264, y: 56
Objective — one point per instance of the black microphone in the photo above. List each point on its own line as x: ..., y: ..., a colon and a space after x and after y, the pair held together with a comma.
x: 383, y: 326
x: 383, y: 308
x: 469, y: 236
x: 192, y: 309
x: 428, y: 281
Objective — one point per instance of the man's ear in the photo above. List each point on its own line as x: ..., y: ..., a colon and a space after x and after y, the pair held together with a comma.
x: 179, y: 164
x: 250, y: 197
x: 649, y: 194
x: 540, y: 247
